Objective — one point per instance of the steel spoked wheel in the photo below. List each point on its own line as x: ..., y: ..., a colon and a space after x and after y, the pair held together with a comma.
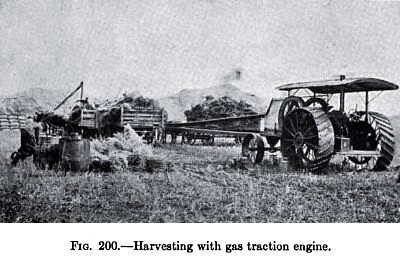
x: 374, y: 133
x: 253, y: 148
x: 289, y: 104
x: 163, y: 137
x: 189, y: 138
x: 208, y: 140
x: 238, y: 140
x: 173, y: 137
x: 307, y: 139
x: 149, y: 138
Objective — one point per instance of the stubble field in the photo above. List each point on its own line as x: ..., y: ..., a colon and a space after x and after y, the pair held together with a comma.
x: 195, y: 185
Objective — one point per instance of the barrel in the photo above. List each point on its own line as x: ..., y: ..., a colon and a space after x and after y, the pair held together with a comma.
x: 75, y: 153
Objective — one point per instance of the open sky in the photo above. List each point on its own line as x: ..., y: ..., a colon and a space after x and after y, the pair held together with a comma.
x: 160, y: 47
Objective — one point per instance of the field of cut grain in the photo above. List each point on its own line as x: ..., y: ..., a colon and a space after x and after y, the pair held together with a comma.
x: 195, y: 186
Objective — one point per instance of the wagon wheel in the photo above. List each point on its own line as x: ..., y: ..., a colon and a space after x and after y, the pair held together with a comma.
x: 159, y: 134
x: 211, y: 140
x: 208, y: 140
x: 373, y: 133
x: 189, y: 138
x: 238, y: 140
x: 149, y: 140
x: 173, y: 138
x: 307, y: 139
x: 149, y: 137
x: 253, y: 148
x: 186, y: 137
x: 289, y: 104
x: 163, y: 137
x: 192, y: 140
x: 204, y: 139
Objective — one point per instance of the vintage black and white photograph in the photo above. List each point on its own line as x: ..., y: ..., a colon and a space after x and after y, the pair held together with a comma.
x: 215, y: 111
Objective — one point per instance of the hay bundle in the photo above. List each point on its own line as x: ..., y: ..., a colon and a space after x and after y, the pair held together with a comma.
x: 154, y: 164
x: 123, y: 150
x: 222, y: 107
x: 138, y: 101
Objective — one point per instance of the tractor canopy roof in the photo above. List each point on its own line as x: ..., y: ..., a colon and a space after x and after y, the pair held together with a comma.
x: 361, y: 84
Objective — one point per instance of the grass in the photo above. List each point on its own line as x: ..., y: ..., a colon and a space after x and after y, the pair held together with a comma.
x: 197, y: 188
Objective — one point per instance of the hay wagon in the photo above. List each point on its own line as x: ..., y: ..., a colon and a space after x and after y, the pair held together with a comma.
x: 206, y: 130
x: 147, y: 122
x: 310, y: 131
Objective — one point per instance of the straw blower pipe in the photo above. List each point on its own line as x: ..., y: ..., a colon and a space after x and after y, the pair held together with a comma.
x: 80, y: 87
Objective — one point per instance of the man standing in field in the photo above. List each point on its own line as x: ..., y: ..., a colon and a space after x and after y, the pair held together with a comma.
x: 29, y: 137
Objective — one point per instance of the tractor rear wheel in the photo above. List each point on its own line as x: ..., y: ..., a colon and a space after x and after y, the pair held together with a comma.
x: 308, y: 139
x: 380, y: 137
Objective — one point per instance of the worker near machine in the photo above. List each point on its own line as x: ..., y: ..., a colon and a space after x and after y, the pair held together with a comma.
x: 29, y: 138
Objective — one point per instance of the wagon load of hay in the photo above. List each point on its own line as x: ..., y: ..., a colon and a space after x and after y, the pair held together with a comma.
x: 223, y: 114
x: 76, y: 113
x: 222, y: 107
x: 129, y: 102
x: 143, y: 114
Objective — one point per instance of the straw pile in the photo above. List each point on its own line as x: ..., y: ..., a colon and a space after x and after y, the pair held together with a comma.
x: 123, y: 150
